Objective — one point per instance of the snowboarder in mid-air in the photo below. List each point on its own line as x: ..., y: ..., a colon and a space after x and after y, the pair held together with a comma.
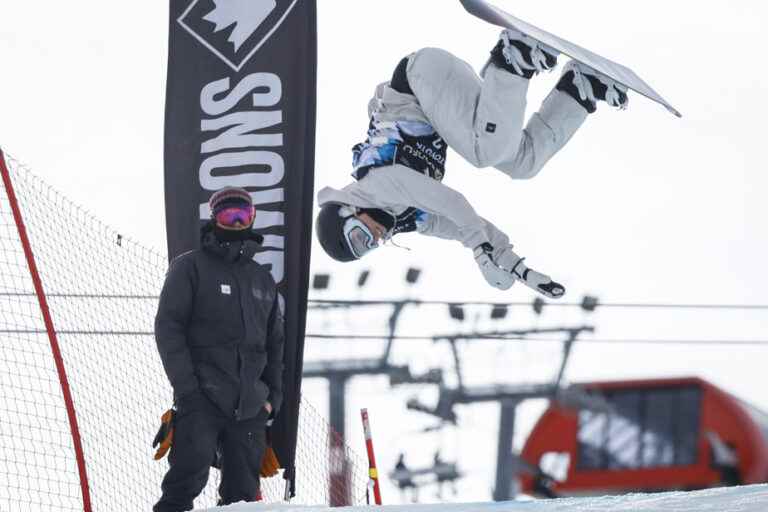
x: 435, y: 99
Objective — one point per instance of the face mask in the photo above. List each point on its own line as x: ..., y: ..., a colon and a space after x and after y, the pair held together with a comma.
x: 231, y: 235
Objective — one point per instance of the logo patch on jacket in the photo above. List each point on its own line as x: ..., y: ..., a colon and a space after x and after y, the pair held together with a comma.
x: 226, y: 289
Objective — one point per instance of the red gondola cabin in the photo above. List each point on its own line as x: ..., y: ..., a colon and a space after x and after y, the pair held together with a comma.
x: 655, y: 435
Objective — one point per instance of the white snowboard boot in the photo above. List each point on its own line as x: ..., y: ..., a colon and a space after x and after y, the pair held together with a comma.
x: 522, y: 55
x: 587, y: 86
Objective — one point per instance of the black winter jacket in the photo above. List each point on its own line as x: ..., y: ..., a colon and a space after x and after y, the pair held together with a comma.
x: 219, y: 329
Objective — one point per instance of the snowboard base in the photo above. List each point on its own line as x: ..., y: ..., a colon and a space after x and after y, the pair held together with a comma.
x: 618, y: 72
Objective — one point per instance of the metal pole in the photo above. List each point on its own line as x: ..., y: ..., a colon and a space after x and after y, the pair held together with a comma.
x: 339, y: 484
x: 506, y: 472
x: 337, y: 387
x: 572, y: 335
x: 398, y: 308
x: 457, y: 363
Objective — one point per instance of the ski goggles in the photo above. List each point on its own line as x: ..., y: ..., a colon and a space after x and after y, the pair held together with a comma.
x: 359, y: 237
x: 232, y: 215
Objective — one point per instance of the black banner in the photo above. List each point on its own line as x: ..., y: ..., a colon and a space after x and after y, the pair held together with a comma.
x: 240, y: 111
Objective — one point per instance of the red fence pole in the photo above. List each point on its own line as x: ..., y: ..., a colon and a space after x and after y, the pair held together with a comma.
x: 51, y: 332
x: 373, y: 473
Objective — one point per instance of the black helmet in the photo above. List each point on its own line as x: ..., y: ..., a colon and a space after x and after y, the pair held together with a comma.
x: 330, y: 232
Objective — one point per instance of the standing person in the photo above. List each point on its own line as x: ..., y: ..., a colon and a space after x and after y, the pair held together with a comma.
x: 402, y: 477
x: 219, y: 332
x: 435, y: 100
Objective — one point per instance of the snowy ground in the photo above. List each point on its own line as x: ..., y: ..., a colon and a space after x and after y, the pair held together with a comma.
x: 752, y: 498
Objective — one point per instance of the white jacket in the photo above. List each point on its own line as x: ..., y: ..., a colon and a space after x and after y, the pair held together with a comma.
x: 396, y: 188
x: 482, y: 120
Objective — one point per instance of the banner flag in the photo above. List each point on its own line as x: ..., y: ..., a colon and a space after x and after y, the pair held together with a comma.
x: 240, y: 111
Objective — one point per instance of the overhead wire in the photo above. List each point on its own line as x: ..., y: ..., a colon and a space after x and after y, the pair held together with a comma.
x: 388, y: 302
x: 627, y: 305
x: 380, y: 337
x: 458, y: 336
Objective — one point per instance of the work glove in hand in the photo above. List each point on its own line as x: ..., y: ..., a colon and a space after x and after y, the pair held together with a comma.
x: 164, y: 436
x: 269, y: 464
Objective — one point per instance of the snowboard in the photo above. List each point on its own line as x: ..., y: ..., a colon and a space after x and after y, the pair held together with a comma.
x: 616, y: 71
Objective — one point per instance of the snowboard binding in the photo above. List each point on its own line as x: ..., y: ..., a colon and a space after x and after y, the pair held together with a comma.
x: 522, y: 55
x: 588, y: 86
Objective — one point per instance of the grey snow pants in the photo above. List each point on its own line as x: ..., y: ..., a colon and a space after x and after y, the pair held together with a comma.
x: 481, y: 118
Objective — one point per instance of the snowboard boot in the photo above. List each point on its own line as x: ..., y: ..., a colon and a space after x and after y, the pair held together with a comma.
x: 522, y: 55
x: 587, y: 86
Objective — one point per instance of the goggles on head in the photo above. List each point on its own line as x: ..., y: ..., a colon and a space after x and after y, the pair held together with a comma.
x: 232, y: 215
x: 359, y: 237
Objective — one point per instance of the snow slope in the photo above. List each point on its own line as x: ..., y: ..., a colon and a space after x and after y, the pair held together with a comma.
x: 752, y: 498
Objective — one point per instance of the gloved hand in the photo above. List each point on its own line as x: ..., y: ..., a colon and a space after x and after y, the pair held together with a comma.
x: 269, y: 464
x: 542, y: 283
x: 503, y: 267
x: 164, y: 436
x: 495, y: 275
x: 507, y: 259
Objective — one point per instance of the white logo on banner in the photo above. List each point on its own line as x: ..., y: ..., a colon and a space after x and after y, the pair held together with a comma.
x: 243, y: 17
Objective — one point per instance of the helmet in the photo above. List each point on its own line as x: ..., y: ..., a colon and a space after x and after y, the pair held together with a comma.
x: 343, y: 236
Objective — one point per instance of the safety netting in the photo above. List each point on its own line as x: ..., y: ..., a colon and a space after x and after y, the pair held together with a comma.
x: 102, y: 290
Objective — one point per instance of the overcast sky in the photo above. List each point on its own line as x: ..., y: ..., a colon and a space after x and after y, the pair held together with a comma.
x: 639, y: 207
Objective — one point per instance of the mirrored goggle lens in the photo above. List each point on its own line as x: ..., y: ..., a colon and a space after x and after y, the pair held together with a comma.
x: 236, y: 214
x: 360, y: 238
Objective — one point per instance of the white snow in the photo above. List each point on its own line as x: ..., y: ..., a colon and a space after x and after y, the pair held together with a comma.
x: 752, y: 498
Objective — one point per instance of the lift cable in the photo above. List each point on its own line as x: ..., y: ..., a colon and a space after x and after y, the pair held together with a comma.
x: 626, y: 305
x: 380, y: 337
